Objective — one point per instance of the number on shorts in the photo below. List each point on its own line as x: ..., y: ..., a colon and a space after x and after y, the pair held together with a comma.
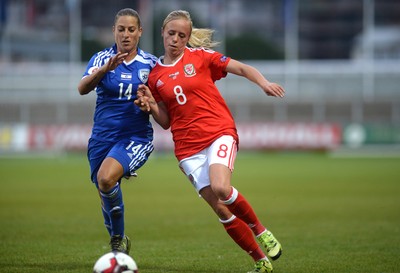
x: 223, y: 151
x: 134, y: 149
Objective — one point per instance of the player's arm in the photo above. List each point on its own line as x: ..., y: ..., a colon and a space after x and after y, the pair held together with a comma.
x: 252, y: 74
x: 89, y: 82
x: 147, y: 103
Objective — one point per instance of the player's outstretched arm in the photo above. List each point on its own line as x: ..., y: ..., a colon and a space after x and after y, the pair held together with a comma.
x: 252, y: 74
x: 147, y: 103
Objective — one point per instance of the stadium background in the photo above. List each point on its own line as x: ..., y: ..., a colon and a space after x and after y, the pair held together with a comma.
x: 338, y: 60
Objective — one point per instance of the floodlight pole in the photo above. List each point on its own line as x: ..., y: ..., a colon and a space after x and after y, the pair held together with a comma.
x: 291, y: 24
x: 74, y: 30
x: 146, y: 11
x: 368, y: 49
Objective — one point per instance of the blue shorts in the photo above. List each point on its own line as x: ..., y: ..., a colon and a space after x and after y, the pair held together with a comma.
x: 131, y: 153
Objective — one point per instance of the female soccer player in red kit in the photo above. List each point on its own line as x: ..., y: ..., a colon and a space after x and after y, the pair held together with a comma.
x: 184, y: 97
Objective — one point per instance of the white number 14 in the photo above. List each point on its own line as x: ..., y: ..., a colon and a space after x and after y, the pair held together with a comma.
x: 128, y: 91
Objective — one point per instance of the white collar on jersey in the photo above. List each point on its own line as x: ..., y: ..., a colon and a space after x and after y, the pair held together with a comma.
x: 160, y: 60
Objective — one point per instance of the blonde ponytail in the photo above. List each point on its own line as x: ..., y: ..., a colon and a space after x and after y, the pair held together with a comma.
x: 202, y: 37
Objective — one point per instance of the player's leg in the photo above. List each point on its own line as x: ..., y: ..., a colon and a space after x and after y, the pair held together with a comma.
x: 242, y: 209
x: 221, y: 155
x: 108, y: 179
x: 97, y: 151
x: 105, y: 173
x: 123, y: 160
x: 197, y: 171
x: 236, y: 228
x: 110, y: 191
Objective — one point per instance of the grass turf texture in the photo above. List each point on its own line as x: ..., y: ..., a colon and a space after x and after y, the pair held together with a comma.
x: 330, y: 214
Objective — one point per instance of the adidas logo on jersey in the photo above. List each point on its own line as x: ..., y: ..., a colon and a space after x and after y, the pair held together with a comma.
x: 159, y: 83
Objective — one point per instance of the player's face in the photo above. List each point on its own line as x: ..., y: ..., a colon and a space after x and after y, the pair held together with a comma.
x: 176, y: 34
x: 127, y: 33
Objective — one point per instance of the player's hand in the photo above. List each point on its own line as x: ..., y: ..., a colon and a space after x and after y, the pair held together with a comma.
x: 115, y: 61
x: 143, y: 103
x: 273, y: 89
x: 143, y: 98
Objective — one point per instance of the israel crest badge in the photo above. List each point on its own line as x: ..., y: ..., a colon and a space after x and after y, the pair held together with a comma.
x: 143, y: 75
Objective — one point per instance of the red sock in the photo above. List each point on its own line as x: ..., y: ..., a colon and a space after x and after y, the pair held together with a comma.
x: 239, y: 206
x: 243, y: 236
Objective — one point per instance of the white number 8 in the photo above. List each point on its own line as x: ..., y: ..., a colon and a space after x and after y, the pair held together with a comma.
x: 180, y: 96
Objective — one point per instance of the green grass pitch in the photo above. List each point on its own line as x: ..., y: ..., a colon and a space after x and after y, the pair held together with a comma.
x: 330, y: 214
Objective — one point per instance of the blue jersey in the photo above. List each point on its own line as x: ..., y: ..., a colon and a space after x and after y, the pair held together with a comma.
x: 116, y: 116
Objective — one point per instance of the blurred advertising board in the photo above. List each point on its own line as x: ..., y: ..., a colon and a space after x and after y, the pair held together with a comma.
x: 357, y: 134
x: 252, y: 136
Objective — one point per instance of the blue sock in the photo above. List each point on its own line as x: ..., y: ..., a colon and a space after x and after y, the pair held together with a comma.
x: 113, y: 207
x: 107, y: 220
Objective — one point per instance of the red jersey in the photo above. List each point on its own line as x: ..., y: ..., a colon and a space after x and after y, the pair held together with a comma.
x: 198, y: 113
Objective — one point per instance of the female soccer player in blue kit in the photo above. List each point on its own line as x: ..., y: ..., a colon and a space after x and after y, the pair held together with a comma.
x: 121, y: 139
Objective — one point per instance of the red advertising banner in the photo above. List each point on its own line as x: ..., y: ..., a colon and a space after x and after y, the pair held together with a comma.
x: 58, y: 137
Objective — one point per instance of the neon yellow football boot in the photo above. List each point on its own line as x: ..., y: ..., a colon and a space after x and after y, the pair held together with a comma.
x: 262, y: 266
x: 271, y: 244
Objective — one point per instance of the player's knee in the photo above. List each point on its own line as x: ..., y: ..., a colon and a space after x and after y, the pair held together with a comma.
x: 105, y: 183
x: 221, y: 191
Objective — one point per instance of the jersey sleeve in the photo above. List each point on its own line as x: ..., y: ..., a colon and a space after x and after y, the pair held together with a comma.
x: 153, y: 89
x: 92, y: 65
x: 218, y: 63
x: 98, y: 59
